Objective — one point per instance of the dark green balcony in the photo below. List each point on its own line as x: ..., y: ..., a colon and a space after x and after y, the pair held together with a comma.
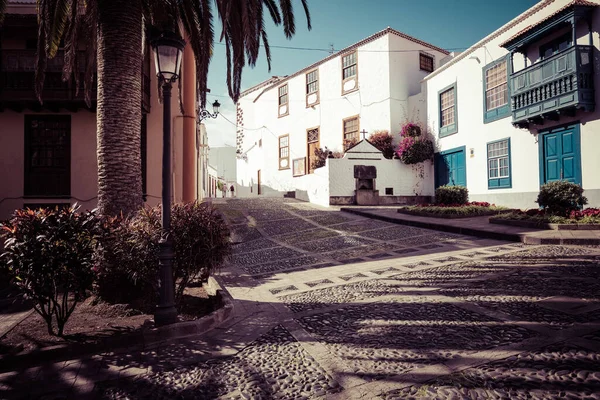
x: 560, y: 84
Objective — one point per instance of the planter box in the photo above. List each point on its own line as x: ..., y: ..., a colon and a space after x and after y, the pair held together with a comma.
x: 446, y: 216
x: 538, y: 225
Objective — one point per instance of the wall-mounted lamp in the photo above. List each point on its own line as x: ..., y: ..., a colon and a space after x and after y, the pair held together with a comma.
x: 476, y: 59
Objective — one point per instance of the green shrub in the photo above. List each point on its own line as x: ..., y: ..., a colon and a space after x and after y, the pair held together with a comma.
x: 451, y: 195
x: 130, y: 252
x: 126, y: 262
x: 383, y: 141
x: 561, y: 197
x: 49, y: 255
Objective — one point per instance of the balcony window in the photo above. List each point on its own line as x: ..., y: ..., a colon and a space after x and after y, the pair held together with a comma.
x: 496, y: 90
x: 448, y: 114
x: 498, y: 155
x: 555, y: 46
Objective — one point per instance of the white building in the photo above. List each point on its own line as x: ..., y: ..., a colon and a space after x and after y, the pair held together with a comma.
x: 360, y: 89
x: 517, y: 109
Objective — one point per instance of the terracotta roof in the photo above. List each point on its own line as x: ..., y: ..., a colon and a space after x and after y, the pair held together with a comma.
x: 352, y: 47
x: 503, y: 29
x: 584, y: 3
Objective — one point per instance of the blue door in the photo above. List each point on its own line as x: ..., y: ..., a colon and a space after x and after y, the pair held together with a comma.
x: 450, y: 168
x: 560, y: 155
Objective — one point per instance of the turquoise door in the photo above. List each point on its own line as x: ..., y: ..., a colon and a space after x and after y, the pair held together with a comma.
x: 450, y: 168
x: 560, y: 155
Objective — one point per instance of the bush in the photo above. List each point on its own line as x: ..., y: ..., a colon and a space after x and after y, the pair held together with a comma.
x: 126, y: 263
x: 561, y: 197
x: 451, y: 195
x: 130, y: 253
x: 415, y: 146
x: 321, y: 155
x: 383, y: 141
x: 49, y: 255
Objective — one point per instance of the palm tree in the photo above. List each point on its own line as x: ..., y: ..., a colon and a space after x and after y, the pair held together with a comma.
x: 113, y: 32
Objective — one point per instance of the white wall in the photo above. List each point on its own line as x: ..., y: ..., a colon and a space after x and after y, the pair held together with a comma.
x: 474, y: 133
x: 405, y: 180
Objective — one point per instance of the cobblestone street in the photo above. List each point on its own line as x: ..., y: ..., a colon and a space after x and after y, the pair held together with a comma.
x: 333, y: 305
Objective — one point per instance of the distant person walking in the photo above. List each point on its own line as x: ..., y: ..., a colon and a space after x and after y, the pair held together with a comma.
x: 232, y: 190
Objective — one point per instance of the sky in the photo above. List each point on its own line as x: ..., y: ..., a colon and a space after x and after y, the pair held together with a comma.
x: 449, y: 24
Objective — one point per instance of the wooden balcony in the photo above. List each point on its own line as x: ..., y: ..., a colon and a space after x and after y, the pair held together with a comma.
x: 558, y: 85
x: 17, y: 83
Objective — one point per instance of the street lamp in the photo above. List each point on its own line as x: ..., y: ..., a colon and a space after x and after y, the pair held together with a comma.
x: 168, y: 50
x: 204, y: 113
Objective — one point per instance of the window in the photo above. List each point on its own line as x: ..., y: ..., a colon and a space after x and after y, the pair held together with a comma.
x: 495, y: 81
x: 351, y: 129
x: 498, y: 155
x: 349, y: 72
x: 299, y: 166
x: 448, y: 123
x: 312, y: 140
x: 555, y: 46
x: 426, y: 62
x: 284, y: 152
x: 312, y: 88
x: 283, y: 100
x: 48, y: 155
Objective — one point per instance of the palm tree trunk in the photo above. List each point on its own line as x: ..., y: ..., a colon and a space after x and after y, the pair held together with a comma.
x: 119, y: 106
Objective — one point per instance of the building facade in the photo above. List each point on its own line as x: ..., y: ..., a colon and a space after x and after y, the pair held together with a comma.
x: 48, y: 151
x: 518, y: 108
x: 333, y: 103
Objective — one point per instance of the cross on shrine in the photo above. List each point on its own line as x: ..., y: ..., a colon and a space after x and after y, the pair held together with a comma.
x: 364, y: 132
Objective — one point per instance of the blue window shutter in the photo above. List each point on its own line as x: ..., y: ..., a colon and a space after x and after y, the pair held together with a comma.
x: 500, y: 112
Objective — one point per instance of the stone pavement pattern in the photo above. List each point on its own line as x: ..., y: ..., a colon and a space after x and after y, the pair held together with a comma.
x: 333, y: 305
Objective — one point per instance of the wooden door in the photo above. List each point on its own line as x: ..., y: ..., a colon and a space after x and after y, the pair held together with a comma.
x: 258, y: 183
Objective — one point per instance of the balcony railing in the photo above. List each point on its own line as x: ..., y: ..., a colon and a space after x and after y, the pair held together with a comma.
x: 17, y: 81
x: 559, y: 84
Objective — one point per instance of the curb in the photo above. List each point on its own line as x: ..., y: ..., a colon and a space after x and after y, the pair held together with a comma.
x: 510, y: 237
x: 138, y: 341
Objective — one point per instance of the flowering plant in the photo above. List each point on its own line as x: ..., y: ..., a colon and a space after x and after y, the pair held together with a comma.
x: 414, y: 147
x: 471, y: 203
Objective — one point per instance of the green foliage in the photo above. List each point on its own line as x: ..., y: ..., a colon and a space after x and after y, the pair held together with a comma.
x: 321, y: 155
x: 130, y: 253
x: 416, y: 144
x: 451, y: 195
x: 561, y: 197
x: 461, y: 211
x: 383, y: 141
x: 49, y: 255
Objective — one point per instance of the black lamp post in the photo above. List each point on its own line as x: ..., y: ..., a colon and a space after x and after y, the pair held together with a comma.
x: 168, y: 50
x: 204, y: 113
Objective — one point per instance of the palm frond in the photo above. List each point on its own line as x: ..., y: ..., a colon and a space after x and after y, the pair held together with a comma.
x: 287, y: 11
x: 2, y: 10
x: 62, y: 11
x: 88, y: 26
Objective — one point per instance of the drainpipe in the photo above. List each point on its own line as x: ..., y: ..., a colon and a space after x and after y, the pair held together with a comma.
x: 190, y: 157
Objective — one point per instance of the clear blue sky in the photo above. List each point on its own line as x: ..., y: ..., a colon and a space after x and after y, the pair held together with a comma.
x: 449, y: 24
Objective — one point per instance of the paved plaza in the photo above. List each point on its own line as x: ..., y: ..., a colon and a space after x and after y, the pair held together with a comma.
x: 333, y: 305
